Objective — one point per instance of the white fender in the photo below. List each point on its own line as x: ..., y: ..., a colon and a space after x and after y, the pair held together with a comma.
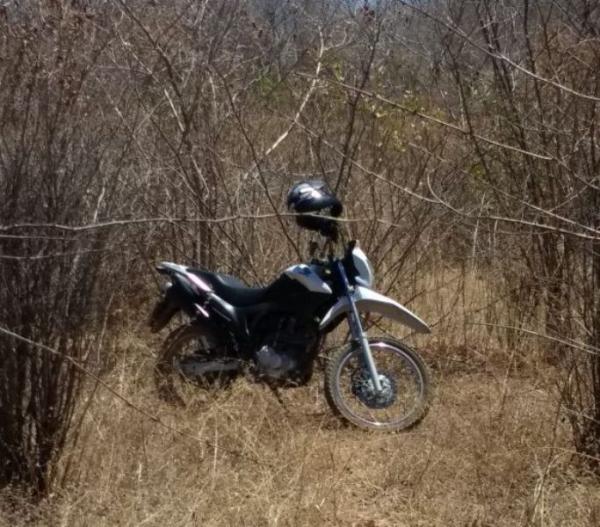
x: 367, y: 300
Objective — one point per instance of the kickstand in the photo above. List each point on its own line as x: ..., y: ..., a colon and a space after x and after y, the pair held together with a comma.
x: 277, y: 395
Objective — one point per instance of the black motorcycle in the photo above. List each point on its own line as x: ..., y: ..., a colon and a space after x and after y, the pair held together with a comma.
x: 275, y: 333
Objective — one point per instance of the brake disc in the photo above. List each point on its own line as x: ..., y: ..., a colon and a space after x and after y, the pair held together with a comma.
x: 364, y: 389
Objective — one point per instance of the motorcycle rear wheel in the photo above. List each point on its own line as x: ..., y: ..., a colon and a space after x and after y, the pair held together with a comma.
x: 186, y: 342
x: 404, y: 400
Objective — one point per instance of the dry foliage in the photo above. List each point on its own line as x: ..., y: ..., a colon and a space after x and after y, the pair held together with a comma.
x: 461, y: 136
x: 493, y: 451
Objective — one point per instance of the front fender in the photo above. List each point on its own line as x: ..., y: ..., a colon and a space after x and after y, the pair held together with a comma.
x: 370, y: 301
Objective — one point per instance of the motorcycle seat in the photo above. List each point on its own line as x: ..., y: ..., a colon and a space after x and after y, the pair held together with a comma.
x: 232, y: 289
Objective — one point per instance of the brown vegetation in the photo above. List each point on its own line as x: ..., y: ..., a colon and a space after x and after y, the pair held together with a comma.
x: 462, y: 138
x: 493, y: 451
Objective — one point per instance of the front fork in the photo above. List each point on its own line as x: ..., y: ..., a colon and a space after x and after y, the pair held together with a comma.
x: 358, y: 334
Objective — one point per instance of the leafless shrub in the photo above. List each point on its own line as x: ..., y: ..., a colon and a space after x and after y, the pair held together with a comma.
x: 58, y: 166
x: 526, y: 76
x: 132, y: 131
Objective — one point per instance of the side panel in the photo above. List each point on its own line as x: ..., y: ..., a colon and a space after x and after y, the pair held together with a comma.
x: 305, y: 275
x: 370, y: 301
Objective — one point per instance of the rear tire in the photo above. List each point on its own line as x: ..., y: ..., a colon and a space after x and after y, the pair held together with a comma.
x: 400, y: 368
x: 172, y: 386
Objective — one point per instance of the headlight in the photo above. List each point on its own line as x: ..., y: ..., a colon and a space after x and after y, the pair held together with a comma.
x: 363, y: 267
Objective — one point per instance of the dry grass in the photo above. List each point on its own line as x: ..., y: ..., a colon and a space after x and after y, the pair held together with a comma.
x: 493, y: 451
x: 490, y: 452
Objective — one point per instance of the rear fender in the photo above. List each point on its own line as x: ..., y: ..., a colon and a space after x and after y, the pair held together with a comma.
x: 162, y: 314
x: 369, y: 301
x: 178, y: 297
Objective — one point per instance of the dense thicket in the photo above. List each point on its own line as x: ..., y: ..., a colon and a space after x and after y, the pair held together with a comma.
x: 461, y: 131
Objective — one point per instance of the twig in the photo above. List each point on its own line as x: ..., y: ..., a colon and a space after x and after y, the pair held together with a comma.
x: 590, y: 350
x: 433, y: 119
x: 457, y: 31
x: 112, y: 391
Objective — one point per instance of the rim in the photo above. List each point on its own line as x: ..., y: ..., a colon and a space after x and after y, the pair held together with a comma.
x: 400, y: 368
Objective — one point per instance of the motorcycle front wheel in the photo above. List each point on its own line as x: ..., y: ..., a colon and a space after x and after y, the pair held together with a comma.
x: 404, y: 398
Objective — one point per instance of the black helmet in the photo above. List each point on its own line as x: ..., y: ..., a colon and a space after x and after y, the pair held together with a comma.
x: 312, y: 198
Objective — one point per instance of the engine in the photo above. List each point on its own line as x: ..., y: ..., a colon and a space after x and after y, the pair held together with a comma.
x: 286, y: 348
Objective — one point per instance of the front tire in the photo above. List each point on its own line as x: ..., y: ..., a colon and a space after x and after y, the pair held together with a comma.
x: 404, y: 400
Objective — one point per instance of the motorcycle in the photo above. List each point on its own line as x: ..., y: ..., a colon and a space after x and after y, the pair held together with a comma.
x: 274, y: 334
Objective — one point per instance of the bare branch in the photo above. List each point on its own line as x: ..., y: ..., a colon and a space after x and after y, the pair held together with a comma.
x: 433, y: 119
